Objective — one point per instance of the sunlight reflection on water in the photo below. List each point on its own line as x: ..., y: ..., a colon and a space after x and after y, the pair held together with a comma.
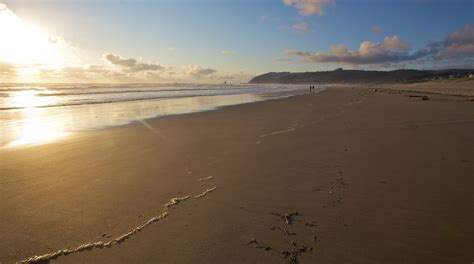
x: 29, y: 122
x: 41, y: 125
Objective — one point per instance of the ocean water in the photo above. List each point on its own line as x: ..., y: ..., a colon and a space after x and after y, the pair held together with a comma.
x: 43, y: 113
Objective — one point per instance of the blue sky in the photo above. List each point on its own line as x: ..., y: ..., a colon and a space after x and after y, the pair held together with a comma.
x: 252, y: 37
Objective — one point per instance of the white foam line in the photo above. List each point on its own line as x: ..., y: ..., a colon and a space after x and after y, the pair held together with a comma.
x: 277, y: 132
x: 206, y: 179
x: 92, y: 245
x: 120, y: 239
x: 175, y: 201
x: 205, y: 192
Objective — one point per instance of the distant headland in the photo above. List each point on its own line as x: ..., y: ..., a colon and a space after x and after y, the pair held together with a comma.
x: 341, y: 76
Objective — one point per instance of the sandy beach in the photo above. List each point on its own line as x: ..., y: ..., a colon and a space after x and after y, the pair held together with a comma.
x: 348, y: 175
x: 445, y: 87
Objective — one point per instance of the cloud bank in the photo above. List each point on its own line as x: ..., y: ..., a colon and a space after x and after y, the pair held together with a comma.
x: 28, y: 54
x: 309, y: 7
x: 459, y: 44
x: 121, y: 69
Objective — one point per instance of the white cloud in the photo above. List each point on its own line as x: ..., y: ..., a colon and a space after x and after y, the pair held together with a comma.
x: 132, y: 65
x: 205, y: 72
x: 376, y: 29
x: 392, y: 49
x: 309, y: 7
x: 120, y: 69
x: 196, y: 71
x: 301, y: 27
x: 228, y: 52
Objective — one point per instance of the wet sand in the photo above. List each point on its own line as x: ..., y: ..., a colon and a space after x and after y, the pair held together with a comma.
x: 345, y: 176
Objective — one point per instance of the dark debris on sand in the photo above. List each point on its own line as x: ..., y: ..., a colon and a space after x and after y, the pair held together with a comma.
x: 295, y: 250
x: 288, y: 217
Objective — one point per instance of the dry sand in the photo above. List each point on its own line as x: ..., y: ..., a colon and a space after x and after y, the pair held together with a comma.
x: 448, y: 87
x: 345, y: 176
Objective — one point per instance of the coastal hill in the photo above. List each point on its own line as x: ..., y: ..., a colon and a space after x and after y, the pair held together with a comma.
x: 340, y: 76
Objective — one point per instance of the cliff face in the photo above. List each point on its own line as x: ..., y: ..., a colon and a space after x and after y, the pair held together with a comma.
x: 355, y: 76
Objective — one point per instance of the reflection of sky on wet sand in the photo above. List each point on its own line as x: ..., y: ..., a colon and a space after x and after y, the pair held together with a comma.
x: 40, y: 125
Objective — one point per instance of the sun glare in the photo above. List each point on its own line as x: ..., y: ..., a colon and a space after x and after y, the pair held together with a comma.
x: 35, y: 128
x: 27, y: 45
x: 35, y: 125
x: 27, y: 99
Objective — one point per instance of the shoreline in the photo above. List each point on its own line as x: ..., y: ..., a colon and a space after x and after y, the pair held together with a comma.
x: 216, y: 102
x: 348, y: 175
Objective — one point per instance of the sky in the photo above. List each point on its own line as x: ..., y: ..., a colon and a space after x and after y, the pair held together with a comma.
x: 212, y: 41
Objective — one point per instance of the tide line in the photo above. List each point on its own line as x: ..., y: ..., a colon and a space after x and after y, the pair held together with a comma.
x: 107, y: 244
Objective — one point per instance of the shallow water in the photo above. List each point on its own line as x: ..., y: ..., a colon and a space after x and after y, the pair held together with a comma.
x: 33, y: 115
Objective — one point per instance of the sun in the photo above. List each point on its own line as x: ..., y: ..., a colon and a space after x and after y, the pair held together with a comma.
x: 27, y: 45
